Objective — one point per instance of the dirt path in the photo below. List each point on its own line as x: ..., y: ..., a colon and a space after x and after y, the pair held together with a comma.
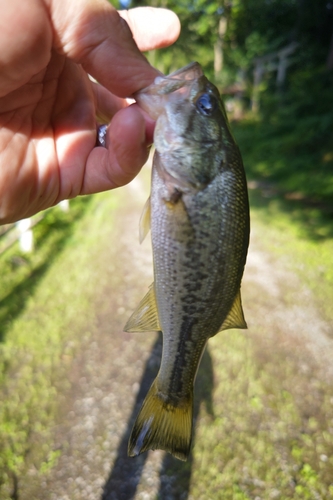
x: 279, y: 304
x: 114, y: 370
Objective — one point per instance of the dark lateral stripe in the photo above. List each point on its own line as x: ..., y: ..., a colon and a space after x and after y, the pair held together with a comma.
x: 179, y: 382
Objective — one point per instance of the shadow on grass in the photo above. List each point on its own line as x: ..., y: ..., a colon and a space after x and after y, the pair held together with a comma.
x: 175, y: 475
x: 24, y: 271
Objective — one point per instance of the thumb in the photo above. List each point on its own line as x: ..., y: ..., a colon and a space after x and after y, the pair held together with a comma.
x: 94, y: 34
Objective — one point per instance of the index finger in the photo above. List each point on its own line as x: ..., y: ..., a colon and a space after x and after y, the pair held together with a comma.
x: 152, y: 28
x: 92, y: 33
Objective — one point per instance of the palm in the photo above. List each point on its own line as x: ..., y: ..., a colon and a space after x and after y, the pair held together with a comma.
x: 51, y: 121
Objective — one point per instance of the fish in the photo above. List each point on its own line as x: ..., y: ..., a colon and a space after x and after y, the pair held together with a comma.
x: 198, y: 213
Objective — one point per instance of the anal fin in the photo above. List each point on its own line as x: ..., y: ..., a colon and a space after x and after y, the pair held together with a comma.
x: 145, y: 316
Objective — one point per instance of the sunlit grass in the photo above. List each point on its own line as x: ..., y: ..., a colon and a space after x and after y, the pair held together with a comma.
x: 46, y: 313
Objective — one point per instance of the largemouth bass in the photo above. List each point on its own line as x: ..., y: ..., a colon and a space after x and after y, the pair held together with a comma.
x: 199, y: 217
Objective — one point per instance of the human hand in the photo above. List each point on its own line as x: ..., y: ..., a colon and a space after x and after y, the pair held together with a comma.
x: 48, y: 105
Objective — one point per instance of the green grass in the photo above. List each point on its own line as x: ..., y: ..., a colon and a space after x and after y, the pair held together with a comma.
x: 21, y: 272
x: 46, y: 315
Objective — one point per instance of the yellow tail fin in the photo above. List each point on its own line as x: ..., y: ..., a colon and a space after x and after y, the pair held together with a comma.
x: 161, y: 425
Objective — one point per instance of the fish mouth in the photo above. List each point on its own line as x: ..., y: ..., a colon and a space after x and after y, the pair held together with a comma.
x: 190, y: 72
x: 183, y: 77
x: 186, y: 82
x: 164, y: 85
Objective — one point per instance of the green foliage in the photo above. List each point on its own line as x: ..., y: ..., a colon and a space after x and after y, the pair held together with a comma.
x: 288, y: 154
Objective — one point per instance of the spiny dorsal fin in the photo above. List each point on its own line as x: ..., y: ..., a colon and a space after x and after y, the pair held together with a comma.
x: 145, y: 316
x: 235, y: 318
x: 144, y: 224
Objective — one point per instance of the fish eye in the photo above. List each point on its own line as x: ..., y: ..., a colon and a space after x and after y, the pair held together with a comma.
x: 206, y: 104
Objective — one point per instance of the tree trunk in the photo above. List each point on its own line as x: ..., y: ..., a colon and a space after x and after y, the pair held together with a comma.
x: 218, y: 47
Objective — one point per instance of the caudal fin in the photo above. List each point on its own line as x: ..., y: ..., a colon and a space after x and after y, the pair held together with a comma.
x: 161, y: 425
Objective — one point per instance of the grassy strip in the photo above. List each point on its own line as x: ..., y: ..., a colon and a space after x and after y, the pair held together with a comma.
x: 46, y: 298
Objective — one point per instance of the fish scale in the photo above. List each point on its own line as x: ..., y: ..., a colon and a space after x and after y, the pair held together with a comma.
x: 199, y: 217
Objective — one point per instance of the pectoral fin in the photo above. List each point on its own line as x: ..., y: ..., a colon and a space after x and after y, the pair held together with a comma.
x: 145, y: 316
x: 235, y: 318
x: 144, y: 225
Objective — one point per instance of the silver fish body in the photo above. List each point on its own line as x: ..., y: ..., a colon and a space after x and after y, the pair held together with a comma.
x: 199, y: 218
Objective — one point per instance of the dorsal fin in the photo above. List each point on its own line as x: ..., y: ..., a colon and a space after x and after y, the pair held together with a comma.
x: 144, y: 224
x: 145, y: 316
x: 235, y: 318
